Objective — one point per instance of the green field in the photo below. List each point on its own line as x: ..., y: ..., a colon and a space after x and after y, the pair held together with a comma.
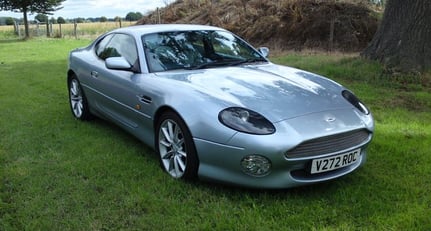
x: 58, y: 173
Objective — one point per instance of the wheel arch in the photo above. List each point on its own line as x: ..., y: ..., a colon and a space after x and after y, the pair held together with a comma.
x: 70, y: 73
x: 160, y: 111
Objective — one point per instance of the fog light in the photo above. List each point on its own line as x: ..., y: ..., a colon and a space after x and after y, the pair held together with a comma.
x: 256, y: 165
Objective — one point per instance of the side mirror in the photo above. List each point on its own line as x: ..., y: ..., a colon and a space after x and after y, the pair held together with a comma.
x: 264, y: 51
x: 118, y: 63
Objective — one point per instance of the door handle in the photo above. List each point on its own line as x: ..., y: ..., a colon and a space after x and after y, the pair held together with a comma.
x: 94, y: 74
x: 145, y: 99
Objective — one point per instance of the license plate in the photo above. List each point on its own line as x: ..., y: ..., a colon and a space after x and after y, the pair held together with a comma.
x: 334, y: 162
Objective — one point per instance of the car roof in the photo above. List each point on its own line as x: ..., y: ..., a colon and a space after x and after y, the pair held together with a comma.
x: 155, y: 28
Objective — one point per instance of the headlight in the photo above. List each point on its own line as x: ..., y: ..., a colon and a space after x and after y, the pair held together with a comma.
x: 247, y: 121
x: 349, y: 96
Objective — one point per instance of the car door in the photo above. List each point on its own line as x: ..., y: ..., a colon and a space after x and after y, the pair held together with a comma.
x: 118, y: 91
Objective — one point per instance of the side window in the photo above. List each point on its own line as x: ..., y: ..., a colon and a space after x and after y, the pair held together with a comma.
x: 102, y: 44
x: 120, y: 45
x: 173, y: 50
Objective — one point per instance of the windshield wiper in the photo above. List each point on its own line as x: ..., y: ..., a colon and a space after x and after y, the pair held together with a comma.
x: 218, y: 63
x: 252, y: 60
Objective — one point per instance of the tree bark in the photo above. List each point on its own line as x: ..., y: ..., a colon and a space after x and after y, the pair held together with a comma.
x: 27, y: 33
x: 403, y: 40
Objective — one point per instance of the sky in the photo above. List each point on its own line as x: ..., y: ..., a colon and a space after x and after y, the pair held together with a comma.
x: 98, y: 8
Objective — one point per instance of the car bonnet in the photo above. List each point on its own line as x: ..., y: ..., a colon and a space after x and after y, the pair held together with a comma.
x: 277, y: 92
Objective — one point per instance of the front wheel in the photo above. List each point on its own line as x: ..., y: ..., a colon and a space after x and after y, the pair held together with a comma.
x: 175, y: 147
x: 77, y: 100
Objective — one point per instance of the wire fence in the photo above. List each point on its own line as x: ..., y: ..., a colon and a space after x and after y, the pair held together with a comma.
x: 68, y: 30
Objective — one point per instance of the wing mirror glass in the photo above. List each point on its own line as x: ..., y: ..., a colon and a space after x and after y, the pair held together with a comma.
x: 264, y: 51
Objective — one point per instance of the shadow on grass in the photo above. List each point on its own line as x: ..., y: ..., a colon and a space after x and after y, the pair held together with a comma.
x: 218, y: 189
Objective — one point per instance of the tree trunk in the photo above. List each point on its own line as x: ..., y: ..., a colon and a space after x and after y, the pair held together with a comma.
x: 27, y: 32
x: 403, y: 40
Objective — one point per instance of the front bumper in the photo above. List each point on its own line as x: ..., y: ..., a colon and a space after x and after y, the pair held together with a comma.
x: 222, y: 162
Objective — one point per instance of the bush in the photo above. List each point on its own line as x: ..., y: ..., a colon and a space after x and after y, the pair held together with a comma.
x: 294, y: 24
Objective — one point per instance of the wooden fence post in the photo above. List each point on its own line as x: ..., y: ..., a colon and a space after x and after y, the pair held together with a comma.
x: 37, y: 29
x: 16, y: 28
x: 75, y: 25
x: 331, y: 34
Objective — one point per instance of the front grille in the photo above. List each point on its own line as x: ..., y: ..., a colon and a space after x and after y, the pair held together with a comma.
x: 329, y: 144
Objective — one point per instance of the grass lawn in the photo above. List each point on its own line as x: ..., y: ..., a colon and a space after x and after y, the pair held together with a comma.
x: 58, y: 173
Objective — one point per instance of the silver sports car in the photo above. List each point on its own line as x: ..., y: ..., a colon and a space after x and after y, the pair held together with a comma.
x: 215, y: 108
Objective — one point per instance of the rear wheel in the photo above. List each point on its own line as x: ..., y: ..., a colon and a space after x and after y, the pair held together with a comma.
x: 175, y: 147
x: 77, y: 100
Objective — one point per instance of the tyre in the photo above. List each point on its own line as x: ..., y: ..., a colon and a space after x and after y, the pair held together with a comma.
x: 175, y: 147
x: 77, y: 100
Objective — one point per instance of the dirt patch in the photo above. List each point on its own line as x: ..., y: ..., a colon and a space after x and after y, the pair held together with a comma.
x: 290, y: 24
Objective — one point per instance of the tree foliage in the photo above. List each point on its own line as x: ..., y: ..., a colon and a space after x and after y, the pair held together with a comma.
x: 34, y: 6
x: 80, y: 20
x: 61, y: 20
x: 9, y: 21
x: 41, y: 17
x: 133, y: 16
x: 53, y: 20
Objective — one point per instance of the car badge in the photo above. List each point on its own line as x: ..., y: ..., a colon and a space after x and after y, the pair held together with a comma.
x: 330, y: 119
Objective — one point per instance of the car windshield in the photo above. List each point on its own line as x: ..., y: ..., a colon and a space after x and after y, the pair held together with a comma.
x: 196, y: 49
